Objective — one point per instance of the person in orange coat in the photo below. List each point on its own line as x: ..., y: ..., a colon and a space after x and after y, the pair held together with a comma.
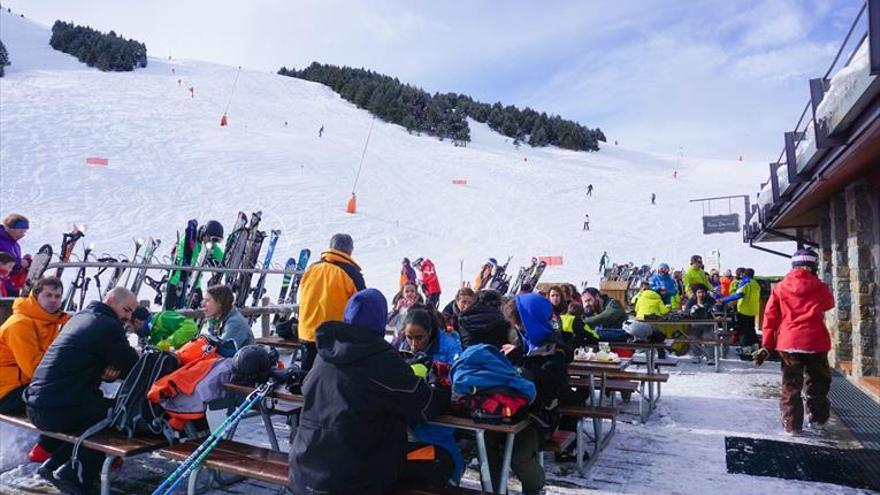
x: 726, y: 281
x: 24, y: 338
x: 324, y: 291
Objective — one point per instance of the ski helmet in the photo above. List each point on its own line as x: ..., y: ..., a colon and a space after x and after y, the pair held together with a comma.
x: 213, y: 229
x: 253, y: 363
x: 493, y: 261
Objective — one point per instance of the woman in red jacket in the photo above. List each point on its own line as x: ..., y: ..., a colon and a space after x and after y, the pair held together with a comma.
x: 794, y: 325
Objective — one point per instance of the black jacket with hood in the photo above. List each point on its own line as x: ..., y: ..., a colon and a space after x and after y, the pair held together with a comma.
x: 359, y: 397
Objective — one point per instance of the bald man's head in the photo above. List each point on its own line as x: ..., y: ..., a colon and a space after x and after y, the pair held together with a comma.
x: 123, y: 302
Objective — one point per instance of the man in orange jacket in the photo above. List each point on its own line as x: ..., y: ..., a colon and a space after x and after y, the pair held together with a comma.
x: 24, y: 338
x: 794, y: 325
x: 324, y: 291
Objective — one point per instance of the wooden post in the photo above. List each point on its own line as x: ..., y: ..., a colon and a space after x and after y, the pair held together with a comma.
x: 265, y: 319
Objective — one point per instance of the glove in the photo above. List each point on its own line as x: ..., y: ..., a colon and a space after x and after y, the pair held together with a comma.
x: 759, y: 356
x: 420, y: 364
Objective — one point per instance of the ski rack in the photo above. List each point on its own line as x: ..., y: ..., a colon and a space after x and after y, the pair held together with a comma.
x: 159, y: 266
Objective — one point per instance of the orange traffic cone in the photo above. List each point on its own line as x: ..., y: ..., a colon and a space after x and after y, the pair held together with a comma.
x: 352, y: 204
x: 223, y: 121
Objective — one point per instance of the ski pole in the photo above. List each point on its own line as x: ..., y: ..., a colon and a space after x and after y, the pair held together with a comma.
x: 213, y: 439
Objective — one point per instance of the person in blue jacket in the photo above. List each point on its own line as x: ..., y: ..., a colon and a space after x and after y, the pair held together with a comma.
x: 421, y: 336
x: 663, y: 283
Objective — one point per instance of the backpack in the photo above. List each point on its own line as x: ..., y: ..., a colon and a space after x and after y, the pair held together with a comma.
x: 185, y: 393
x: 487, y: 388
x: 132, y: 413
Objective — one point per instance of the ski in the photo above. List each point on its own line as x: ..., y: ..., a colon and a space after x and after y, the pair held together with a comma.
x: 138, y: 243
x: 523, y: 276
x: 97, y: 276
x: 255, y: 242
x: 499, y: 280
x: 289, y: 268
x: 190, y: 239
x: 191, y: 289
x: 150, y: 248
x: 304, y: 256
x: 230, y: 250
x: 80, y: 283
x: 38, y: 267
x: 267, y: 260
x: 535, y: 276
x: 238, y: 249
x: 68, y: 241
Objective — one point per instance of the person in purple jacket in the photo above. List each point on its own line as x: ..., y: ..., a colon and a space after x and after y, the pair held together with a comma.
x: 14, y: 227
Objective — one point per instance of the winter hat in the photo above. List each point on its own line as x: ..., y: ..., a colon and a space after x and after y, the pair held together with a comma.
x: 805, y: 257
x: 342, y: 242
x: 535, y: 312
x: 728, y: 273
x: 140, y: 313
x: 368, y: 309
x: 663, y: 266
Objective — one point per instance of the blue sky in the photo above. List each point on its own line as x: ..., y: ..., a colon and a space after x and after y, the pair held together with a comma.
x: 709, y: 78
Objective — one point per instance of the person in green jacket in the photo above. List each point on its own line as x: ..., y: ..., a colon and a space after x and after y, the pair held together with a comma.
x: 604, y: 311
x: 748, y: 303
x: 649, y: 303
x: 171, y: 330
x: 695, y: 274
x: 210, y: 234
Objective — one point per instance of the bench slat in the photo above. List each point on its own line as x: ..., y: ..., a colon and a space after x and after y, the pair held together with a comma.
x: 589, y: 412
x: 109, y: 442
x: 559, y: 441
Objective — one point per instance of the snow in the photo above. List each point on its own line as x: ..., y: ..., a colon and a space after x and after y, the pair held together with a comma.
x: 806, y: 148
x: 846, y: 87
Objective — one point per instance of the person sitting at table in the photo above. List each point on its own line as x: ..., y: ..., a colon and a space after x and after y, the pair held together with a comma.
x: 699, y: 307
x: 359, y: 397
x: 544, y: 362
x: 422, y: 335
x: 648, y: 303
x: 602, y: 310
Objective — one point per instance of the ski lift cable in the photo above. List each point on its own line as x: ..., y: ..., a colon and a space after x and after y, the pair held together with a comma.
x: 363, y: 154
x: 232, y: 93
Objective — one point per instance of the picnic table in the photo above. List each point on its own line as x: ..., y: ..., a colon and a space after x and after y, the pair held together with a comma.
x: 721, y: 328
x: 276, y: 341
x: 445, y: 420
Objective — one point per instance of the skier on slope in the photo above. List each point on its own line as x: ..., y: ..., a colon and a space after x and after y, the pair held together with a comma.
x: 653, y: 198
x: 430, y: 283
x: 587, y: 221
x: 321, y: 131
x: 590, y: 190
x: 603, y: 261
x: 211, y: 232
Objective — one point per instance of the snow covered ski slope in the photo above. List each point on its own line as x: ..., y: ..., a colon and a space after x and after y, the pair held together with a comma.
x: 170, y: 160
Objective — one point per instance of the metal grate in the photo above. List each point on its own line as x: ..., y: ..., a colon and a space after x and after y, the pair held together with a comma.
x: 857, y: 411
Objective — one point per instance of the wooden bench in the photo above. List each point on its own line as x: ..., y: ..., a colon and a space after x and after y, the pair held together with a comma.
x: 110, y: 442
x: 644, y: 388
x: 596, y: 415
x: 658, y: 363
x: 259, y: 463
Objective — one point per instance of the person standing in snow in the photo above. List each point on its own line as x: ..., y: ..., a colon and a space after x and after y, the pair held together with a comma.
x: 794, y: 326
x: 587, y: 221
x: 429, y: 281
x: 14, y: 227
x: 726, y: 280
x: 321, y: 131
x: 695, y: 274
x: 407, y: 273
x: 603, y: 261
x: 590, y: 191
x: 653, y: 198
x: 748, y: 303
